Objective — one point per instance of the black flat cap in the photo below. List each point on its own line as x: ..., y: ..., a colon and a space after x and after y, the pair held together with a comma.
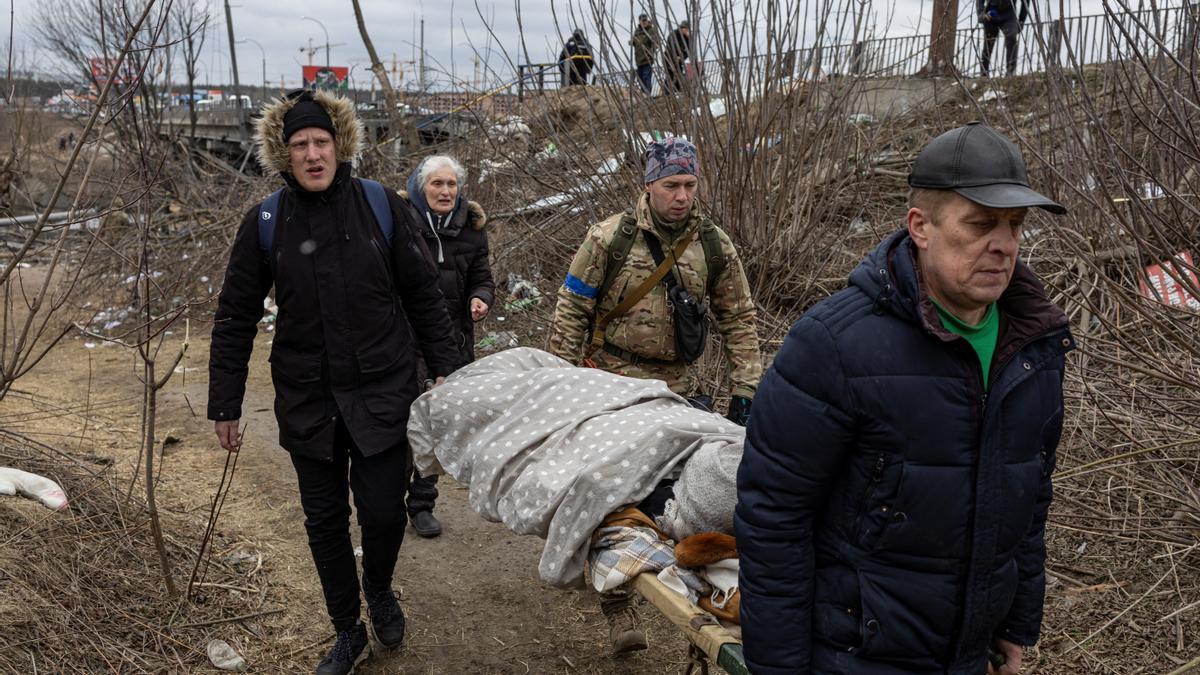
x: 980, y: 164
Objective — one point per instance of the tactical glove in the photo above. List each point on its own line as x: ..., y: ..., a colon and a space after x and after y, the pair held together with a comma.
x: 739, y: 410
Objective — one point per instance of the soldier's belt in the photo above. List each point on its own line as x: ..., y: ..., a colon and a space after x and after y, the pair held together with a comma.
x: 637, y: 359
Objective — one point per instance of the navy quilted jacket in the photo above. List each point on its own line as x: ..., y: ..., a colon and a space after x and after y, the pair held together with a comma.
x: 891, y: 514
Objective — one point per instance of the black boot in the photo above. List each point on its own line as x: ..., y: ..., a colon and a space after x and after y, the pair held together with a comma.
x: 350, y: 649
x: 426, y: 525
x: 386, y: 616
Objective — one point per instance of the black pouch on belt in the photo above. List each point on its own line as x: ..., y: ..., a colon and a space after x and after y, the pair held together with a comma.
x: 689, y: 314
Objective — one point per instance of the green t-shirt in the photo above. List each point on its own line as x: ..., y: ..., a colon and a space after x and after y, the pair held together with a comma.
x: 982, y: 336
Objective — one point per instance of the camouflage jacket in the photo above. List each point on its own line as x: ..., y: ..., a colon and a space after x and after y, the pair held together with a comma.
x: 645, y: 44
x: 647, y: 329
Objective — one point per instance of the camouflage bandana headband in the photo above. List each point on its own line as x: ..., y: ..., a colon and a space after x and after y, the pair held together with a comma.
x: 671, y: 157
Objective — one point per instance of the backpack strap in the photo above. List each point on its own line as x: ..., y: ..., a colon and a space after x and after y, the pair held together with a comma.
x: 664, y: 268
x: 618, y: 251
x: 267, y: 212
x: 714, y: 253
x: 374, y: 191
x: 377, y: 198
x: 671, y: 280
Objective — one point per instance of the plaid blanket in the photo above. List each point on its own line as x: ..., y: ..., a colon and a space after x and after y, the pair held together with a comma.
x: 621, y: 553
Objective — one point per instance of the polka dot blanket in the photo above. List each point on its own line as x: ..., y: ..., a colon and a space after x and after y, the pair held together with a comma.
x: 549, y: 449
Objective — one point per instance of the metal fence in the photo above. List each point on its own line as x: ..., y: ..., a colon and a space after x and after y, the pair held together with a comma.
x: 1092, y: 39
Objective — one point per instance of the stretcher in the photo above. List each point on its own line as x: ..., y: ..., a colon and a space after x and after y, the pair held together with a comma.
x: 710, y: 641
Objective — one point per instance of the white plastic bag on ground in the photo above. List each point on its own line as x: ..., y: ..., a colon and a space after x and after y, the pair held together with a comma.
x: 222, y: 656
x: 32, y: 486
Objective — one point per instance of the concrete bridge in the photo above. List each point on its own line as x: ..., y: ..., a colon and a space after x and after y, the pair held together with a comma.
x: 228, y: 131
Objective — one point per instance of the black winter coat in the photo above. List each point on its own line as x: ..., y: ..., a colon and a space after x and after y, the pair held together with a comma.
x: 891, y: 514
x: 1005, y: 10
x: 576, y: 71
x: 463, y: 271
x: 344, y: 338
x: 678, y: 48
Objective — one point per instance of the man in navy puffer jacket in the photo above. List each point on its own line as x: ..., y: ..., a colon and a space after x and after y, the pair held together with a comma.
x: 893, y: 493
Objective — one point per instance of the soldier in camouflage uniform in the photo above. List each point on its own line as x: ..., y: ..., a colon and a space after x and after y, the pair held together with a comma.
x: 641, y: 342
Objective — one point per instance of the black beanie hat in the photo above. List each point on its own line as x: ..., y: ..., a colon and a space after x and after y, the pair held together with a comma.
x: 304, y: 114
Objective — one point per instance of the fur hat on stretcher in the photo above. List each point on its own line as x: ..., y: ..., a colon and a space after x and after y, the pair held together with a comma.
x: 306, y: 108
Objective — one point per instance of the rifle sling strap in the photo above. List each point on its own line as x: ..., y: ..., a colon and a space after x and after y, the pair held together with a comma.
x: 638, y: 293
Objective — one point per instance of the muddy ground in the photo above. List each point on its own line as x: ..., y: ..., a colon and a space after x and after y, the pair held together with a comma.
x: 472, y: 596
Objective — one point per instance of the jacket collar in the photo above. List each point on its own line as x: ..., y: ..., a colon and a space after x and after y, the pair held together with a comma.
x: 891, y: 277
x: 449, y: 225
x: 471, y: 215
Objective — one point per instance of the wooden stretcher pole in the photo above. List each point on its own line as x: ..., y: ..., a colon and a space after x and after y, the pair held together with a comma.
x: 700, y: 627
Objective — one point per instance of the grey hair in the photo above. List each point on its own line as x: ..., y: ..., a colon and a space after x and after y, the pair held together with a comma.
x: 434, y: 162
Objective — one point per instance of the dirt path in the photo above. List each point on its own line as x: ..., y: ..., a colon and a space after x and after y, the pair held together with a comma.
x: 472, y: 596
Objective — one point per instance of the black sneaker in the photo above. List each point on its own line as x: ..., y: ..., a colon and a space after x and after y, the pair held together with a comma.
x: 351, y: 648
x: 426, y: 525
x: 387, y: 619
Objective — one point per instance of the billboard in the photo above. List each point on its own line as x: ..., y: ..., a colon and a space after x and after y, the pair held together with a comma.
x: 326, y: 77
x: 1163, y: 285
x: 102, y: 67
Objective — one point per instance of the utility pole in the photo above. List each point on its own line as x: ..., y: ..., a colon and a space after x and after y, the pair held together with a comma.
x: 237, y: 87
x: 942, y: 38
x: 422, y: 55
x: 322, y: 25
x: 264, y: 65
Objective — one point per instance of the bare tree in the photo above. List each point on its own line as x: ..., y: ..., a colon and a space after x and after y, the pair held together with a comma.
x: 87, y: 36
x: 377, y: 67
x: 191, y: 22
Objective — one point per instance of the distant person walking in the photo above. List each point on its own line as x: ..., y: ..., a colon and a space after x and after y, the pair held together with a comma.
x: 675, y: 58
x: 645, y: 44
x: 576, y: 59
x: 996, y: 16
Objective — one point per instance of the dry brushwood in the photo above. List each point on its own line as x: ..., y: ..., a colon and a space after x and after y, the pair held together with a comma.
x: 82, y: 588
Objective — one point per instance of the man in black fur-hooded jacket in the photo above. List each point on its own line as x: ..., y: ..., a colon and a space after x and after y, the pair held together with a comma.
x: 353, y: 311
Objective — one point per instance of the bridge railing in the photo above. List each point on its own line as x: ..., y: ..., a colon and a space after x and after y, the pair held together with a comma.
x: 1091, y: 39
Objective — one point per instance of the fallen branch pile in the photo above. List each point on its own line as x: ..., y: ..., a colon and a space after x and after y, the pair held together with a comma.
x: 81, y: 591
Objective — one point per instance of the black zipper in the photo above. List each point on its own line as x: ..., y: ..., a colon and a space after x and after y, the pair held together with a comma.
x: 876, y: 477
x: 983, y: 399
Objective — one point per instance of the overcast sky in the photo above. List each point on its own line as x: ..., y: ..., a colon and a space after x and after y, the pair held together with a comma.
x: 456, y: 32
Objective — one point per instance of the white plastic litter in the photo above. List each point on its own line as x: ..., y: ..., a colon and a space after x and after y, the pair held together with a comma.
x: 513, y: 127
x: 993, y: 95
x: 520, y: 288
x: 716, y: 107
x: 222, y: 656
x: 32, y: 486
x: 270, y: 311
x: 610, y: 165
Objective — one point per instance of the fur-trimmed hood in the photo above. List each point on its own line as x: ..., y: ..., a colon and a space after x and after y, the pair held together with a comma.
x: 272, y: 152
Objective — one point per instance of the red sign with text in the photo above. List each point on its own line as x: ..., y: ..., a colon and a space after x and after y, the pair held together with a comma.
x: 1162, y: 282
